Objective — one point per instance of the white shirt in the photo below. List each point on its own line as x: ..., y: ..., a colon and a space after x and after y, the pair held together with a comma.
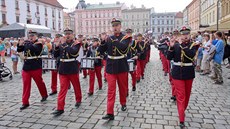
x: 15, y: 50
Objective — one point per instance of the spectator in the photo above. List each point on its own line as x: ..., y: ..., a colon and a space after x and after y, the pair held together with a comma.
x: 2, y: 51
x: 199, y: 59
x: 199, y: 37
x: 8, y: 47
x: 14, y: 57
x: 205, y: 66
x: 218, y: 59
x: 228, y: 43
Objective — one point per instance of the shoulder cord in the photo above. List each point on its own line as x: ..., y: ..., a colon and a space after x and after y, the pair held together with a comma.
x: 184, y: 55
x: 74, y: 55
x: 123, y: 53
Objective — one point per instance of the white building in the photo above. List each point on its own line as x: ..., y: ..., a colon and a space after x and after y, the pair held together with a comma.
x: 185, y: 16
x: 162, y: 22
x: 48, y: 13
x: 137, y: 19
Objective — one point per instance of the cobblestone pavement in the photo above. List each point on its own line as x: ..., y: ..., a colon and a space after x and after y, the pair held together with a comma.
x: 148, y: 107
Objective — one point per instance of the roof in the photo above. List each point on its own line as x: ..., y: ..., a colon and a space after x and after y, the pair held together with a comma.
x: 179, y: 15
x: 52, y: 2
x: 22, y: 26
x: 65, y: 14
x: 104, y: 6
x: 136, y: 10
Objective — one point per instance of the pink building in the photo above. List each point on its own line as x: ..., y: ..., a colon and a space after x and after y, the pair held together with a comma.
x: 93, y: 19
x: 194, y: 15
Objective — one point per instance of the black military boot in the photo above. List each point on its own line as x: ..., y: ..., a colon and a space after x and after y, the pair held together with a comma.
x: 182, y: 126
x: 134, y: 88
x: 78, y: 104
x: 24, y: 106
x: 44, y: 99
x: 123, y: 108
x: 90, y: 94
x: 58, y: 112
x: 108, y: 117
x: 53, y: 93
x: 173, y: 98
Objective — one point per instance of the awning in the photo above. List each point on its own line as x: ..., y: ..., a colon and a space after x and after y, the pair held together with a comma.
x: 222, y: 27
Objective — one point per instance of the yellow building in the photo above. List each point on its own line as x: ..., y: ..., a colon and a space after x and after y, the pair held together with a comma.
x: 225, y: 15
x: 208, y: 12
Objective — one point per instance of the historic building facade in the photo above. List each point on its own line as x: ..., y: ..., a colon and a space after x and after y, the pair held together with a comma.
x: 194, y: 15
x: 93, y: 19
x: 48, y: 13
x: 208, y: 12
x: 138, y: 19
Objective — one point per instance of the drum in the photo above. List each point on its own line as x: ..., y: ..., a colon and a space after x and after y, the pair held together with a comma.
x: 131, y: 65
x: 49, y: 64
x: 87, y: 63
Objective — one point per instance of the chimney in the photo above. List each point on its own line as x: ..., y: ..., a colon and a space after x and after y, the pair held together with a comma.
x: 100, y: 3
x: 117, y: 3
x: 88, y: 4
x: 142, y: 6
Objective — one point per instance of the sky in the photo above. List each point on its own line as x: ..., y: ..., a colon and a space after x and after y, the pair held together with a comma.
x: 159, y: 5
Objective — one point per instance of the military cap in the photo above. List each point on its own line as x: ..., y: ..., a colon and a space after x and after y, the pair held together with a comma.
x: 58, y: 35
x: 95, y: 40
x: 68, y: 30
x: 139, y: 35
x: 175, y: 32
x: 185, y: 30
x: 80, y: 36
x: 115, y: 22
x: 129, y: 30
x: 33, y: 32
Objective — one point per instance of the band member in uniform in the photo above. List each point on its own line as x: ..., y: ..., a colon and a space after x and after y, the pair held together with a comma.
x: 132, y: 54
x: 54, y: 73
x: 183, y: 73
x: 97, y: 67
x: 68, y: 70
x: 141, y: 57
x: 117, y: 68
x: 32, y: 68
x: 174, y: 39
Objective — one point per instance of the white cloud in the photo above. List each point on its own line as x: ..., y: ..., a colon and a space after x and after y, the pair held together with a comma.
x: 159, y: 5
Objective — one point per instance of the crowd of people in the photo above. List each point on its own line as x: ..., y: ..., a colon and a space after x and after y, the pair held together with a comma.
x: 182, y: 54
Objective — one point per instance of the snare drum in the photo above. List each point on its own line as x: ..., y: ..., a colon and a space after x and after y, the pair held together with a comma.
x: 87, y: 63
x: 49, y: 64
x: 131, y: 65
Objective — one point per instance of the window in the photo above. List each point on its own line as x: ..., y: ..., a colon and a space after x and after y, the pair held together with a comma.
x: 213, y: 16
x: 99, y: 22
x: 4, y: 18
x: 171, y: 22
x: 37, y: 9
x: 59, y: 14
x: 86, y: 23
x: 17, y: 19
x: 3, y: 3
x: 53, y: 25
x: 159, y: 29
x: 167, y: 22
x: 46, y: 11
x: 28, y: 7
x: 38, y: 21
x: 153, y: 29
x: 16, y: 4
x: 53, y: 15
x: 59, y: 25
x: 147, y: 23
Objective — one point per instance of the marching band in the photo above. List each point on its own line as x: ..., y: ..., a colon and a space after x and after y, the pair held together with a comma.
x: 119, y: 53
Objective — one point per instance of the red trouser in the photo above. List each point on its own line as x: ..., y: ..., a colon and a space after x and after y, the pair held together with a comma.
x: 104, y: 64
x: 140, y: 68
x: 85, y: 72
x: 64, y: 85
x: 165, y: 63
x: 36, y: 75
x: 97, y: 71
x: 171, y: 79
x: 172, y: 85
x: 183, y: 91
x: 148, y: 56
x: 54, y: 75
x: 134, y: 78
x: 122, y: 80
